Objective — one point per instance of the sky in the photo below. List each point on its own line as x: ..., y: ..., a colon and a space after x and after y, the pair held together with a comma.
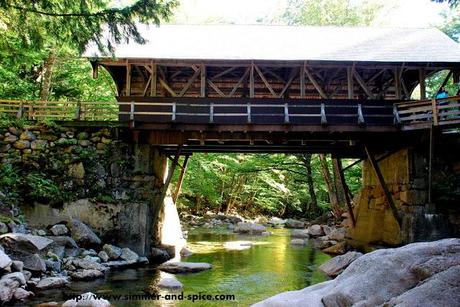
x: 402, y: 13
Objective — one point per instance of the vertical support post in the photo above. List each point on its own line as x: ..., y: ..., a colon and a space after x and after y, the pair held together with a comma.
x: 286, y: 113
x: 397, y: 81
x: 78, y: 111
x: 203, y: 80
x: 397, y: 119
x: 20, y: 113
x: 248, y: 108
x: 350, y: 84
x: 383, y: 185
x: 360, y: 115
x: 302, y: 81
x: 153, y: 80
x: 174, y: 108
x: 128, y: 79
x: 422, y: 83
x: 181, y: 179
x: 211, y: 112
x: 434, y: 110
x: 346, y: 192
x: 131, y: 111
x: 323, y: 115
x: 251, y: 82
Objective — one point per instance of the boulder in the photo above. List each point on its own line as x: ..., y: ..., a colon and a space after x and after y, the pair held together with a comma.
x: 159, y: 255
x: 128, y: 255
x: 291, y: 223
x: 404, y: 276
x: 184, y: 267
x: 169, y: 281
x: 338, y: 234
x: 88, y: 274
x: 300, y: 233
x: 59, y: 230
x: 83, y: 235
x: 17, y: 266
x: 103, y: 255
x: 63, y: 246
x: 8, y: 285
x: 112, y: 251
x: 27, y: 136
x: 33, y: 262
x: 19, y: 242
x: 276, y: 222
x: 336, y: 249
x: 53, y: 266
x: 88, y: 265
x: 249, y: 228
x: 77, y: 171
x: 298, y: 242
x: 52, y: 283
x: 5, y: 260
x: 22, y: 294
x: 118, y: 264
x: 21, y: 144
x: 327, y: 230
x: 185, y: 252
x: 315, y: 231
x: 10, y: 139
x: 3, y: 228
x: 39, y: 145
x: 92, y: 258
x: 87, y: 300
x: 336, y: 265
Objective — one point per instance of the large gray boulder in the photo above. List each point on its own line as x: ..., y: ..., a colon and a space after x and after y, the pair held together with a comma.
x: 5, y: 260
x: 184, y: 267
x: 291, y: 223
x: 59, y: 230
x: 33, y: 262
x: 9, y: 283
x: 63, y: 246
x: 112, y: 251
x: 169, y: 281
x: 83, y: 235
x: 387, y: 276
x: 88, y: 265
x: 336, y: 265
x: 19, y: 242
x: 300, y: 233
x: 84, y: 274
x: 249, y: 228
x: 52, y: 283
x: 128, y: 255
x: 315, y: 231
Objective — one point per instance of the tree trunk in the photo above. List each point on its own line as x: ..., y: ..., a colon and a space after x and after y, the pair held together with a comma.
x: 329, y: 187
x: 313, y: 206
x: 338, y: 184
x: 47, y: 74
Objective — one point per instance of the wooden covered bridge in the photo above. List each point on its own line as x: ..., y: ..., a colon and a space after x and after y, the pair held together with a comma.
x: 271, y: 88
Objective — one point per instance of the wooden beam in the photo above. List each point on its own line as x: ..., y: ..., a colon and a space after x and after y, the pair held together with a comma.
x: 251, y: 82
x: 302, y: 82
x: 128, y: 79
x: 240, y: 81
x: 346, y: 191
x: 153, y: 80
x: 190, y: 82
x: 288, y: 84
x: 181, y: 179
x: 350, y: 84
x: 267, y: 84
x: 422, y: 83
x: 383, y: 185
x: 223, y: 73
x: 166, y: 86
x: 430, y: 166
x: 363, y: 84
x: 315, y: 83
x: 203, y: 80
x: 216, y: 88
x: 397, y: 82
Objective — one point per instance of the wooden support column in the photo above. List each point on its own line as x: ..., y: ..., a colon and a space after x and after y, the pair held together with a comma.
x: 181, y: 179
x: 397, y: 81
x: 350, y: 84
x: 302, y: 82
x: 346, y: 191
x: 383, y: 185
x: 153, y: 80
x: 203, y: 81
x: 430, y: 166
x: 128, y: 79
x: 422, y: 83
x: 251, y: 82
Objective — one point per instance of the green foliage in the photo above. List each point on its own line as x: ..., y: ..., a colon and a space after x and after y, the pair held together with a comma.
x: 8, y: 120
x: 41, y: 187
x: 9, y: 177
x: 329, y: 12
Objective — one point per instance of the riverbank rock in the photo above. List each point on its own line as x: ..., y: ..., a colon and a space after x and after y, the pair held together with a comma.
x: 86, y: 274
x: 112, y: 251
x: 315, y: 231
x: 249, y: 228
x: 9, y: 283
x: 87, y: 299
x: 59, y: 230
x: 298, y: 242
x: 169, y: 281
x: 291, y: 223
x: 276, y: 222
x: 19, y: 242
x: 52, y: 283
x: 83, y: 235
x: 336, y: 265
x: 402, y: 275
x: 63, y: 246
x: 300, y: 233
x: 128, y: 255
x: 5, y: 260
x: 184, y: 267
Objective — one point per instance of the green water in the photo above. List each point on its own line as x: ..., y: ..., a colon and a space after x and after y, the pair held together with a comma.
x: 270, y: 266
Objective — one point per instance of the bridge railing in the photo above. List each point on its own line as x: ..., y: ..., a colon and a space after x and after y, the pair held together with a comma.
x: 61, y: 110
x: 420, y: 114
x: 260, y: 111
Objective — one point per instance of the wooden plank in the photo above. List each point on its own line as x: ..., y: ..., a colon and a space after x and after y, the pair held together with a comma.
x: 397, y: 82
x: 422, y: 83
x: 166, y: 86
x: 350, y: 85
x: 363, y: 84
x: 288, y: 84
x: 251, y: 82
x: 265, y: 81
x: 315, y: 83
x: 203, y: 80
x: 383, y: 185
x: 190, y: 82
x: 216, y: 88
x: 240, y: 81
x: 128, y: 79
x: 302, y: 81
x: 153, y: 80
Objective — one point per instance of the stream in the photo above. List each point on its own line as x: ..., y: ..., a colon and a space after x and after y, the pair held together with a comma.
x: 269, y: 266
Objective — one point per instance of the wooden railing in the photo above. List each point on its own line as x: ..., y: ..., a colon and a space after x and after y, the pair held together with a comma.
x: 61, y: 110
x: 422, y: 114
x: 243, y: 111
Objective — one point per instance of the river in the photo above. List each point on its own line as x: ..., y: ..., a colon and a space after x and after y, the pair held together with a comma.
x: 270, y: 266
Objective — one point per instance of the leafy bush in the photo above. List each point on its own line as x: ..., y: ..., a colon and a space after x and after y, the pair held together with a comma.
x: 43, y: 189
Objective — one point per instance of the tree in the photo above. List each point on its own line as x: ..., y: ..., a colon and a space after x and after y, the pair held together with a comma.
x: 329, y: 12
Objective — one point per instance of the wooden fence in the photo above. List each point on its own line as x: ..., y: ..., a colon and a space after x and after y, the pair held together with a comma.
x: 61, y: 110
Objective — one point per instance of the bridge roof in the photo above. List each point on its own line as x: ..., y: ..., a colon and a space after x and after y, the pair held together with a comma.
x: 289, y: 43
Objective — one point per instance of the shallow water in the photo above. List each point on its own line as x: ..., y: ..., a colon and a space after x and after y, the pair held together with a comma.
x: 268, y: 267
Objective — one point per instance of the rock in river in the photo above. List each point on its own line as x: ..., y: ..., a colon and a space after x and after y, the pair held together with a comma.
x: 86, y: 274
x: 300, y: 233
x: 52, y: 283
x: 418, y: 274
x: 169, y: 281
x: 291, y: 223
x: 336, y: 265
x: 19, y: 242
x: 249, y: 228
x: 83, y: 235
x: 184, y: 267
